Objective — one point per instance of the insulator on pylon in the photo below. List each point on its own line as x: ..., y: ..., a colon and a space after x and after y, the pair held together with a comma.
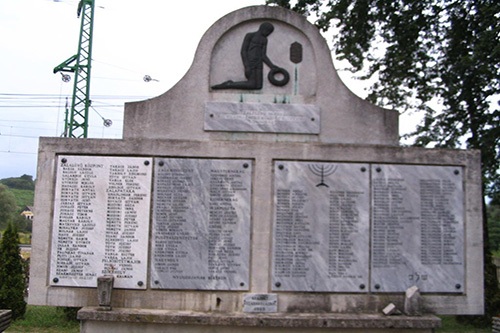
x: 148, y: 78
x: 65, y: 77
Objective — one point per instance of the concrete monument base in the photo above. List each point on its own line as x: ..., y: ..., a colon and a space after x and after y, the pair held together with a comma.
x: 143, y: 320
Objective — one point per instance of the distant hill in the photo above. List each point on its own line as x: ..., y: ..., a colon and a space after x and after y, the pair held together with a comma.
x: 25, y: 182
x: 23, y: 197
x: 23, y: 189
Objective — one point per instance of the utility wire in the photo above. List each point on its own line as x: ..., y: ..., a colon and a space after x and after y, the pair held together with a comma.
x: 25, y: 121
x: 20, y: 136
x: 16, y: 152
x: 35, y: 128
x: 47, y: 106
x: 15, y: 95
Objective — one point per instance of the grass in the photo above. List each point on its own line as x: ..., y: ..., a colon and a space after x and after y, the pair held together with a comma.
x: 450, y: 325
x: 44, y: 319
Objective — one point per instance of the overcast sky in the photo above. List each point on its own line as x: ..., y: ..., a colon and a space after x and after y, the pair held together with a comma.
x: 131, y: 39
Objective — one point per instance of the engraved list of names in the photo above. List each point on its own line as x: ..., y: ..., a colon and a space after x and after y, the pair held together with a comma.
x: 201, y: 224
x: 321, y: 227
x: 417, y: 233
x: 101, y: 221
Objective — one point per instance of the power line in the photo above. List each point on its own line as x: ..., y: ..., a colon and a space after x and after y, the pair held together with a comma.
x: 56, y: 96
x: 34, y: 128
x: 25, y: 121
x: 48, y: 106
x: 114, y: 79
x: 37, y: 137
x: 20, y: 136
x: 16, y: 152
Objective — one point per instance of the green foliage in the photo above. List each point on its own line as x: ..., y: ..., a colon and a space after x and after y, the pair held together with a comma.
x: 440, y: 57
x: 7, y: 206
x: 22, y: 224
x: 44, y: 319
x: 491, y: 286
x: 451, y: 325
x: 9, y: 211
x: 23, y: 189
x: 23, y: 197
x: 493, y: 210
x: 12, y: 283
x: 24, y: 238
x: 70, y: 312
x: 25, y: 182
x: 13, y: 200
x: 26, y: 269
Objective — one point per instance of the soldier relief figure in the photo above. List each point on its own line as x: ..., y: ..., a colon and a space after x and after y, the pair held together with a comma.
x: 253, y: 54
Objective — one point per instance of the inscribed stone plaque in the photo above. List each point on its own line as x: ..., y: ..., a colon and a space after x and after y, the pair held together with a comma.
x: 321, y: 227
x: 418, y: 228
x: 101, y: 221
x: 262, y: 117
x: 201, y: 224
x: 260, y: 303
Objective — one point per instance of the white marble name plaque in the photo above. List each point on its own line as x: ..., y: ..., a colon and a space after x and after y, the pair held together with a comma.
x: 262, y: 117
x: 418, y: 228
x: 201, y: 224
x: 101, y: 221
x: 258, y: 303
x: 321, y: 227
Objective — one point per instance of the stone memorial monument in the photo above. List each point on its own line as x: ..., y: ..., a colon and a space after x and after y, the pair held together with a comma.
x: 257, y: 194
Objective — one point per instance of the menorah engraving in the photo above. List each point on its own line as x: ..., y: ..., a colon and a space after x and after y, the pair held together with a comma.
x: 322, y: 170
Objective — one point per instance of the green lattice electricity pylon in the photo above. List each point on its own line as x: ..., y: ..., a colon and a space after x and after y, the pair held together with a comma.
x: 80, y: 64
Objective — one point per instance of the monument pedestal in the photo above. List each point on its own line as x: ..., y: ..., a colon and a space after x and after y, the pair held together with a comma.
x: 143, y: 320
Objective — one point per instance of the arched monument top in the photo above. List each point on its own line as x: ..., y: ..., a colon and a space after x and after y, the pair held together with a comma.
x: 262, y: 73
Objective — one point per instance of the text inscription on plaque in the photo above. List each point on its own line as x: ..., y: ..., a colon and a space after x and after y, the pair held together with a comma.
x: 101, y: 221
x: 417, y: 232
x: 321, y: 227
x: 201, y: 224
x: 262, y: 117
x: 259, y: 303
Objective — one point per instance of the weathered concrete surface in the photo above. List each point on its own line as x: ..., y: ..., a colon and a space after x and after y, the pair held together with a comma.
x: 172, y: 126
x: 133, y: 320
x: 263, y: 155
x: 179, y: 113
x: 105, y: 291
x: 412, y: 301
x: 5, y: 319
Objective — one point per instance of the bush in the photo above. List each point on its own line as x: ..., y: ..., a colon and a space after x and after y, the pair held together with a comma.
x: 12, y: 283
x: 70, y: 312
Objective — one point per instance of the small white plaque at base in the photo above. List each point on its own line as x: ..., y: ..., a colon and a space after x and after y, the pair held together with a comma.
x: 260, y: 303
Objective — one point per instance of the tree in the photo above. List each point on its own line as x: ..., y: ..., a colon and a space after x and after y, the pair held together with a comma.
x: 12, y: 284
x: 22, y: 224
x: 437, y: 57
x: 8, y: 206
x: 494, y: 225
x: 440, y: 57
